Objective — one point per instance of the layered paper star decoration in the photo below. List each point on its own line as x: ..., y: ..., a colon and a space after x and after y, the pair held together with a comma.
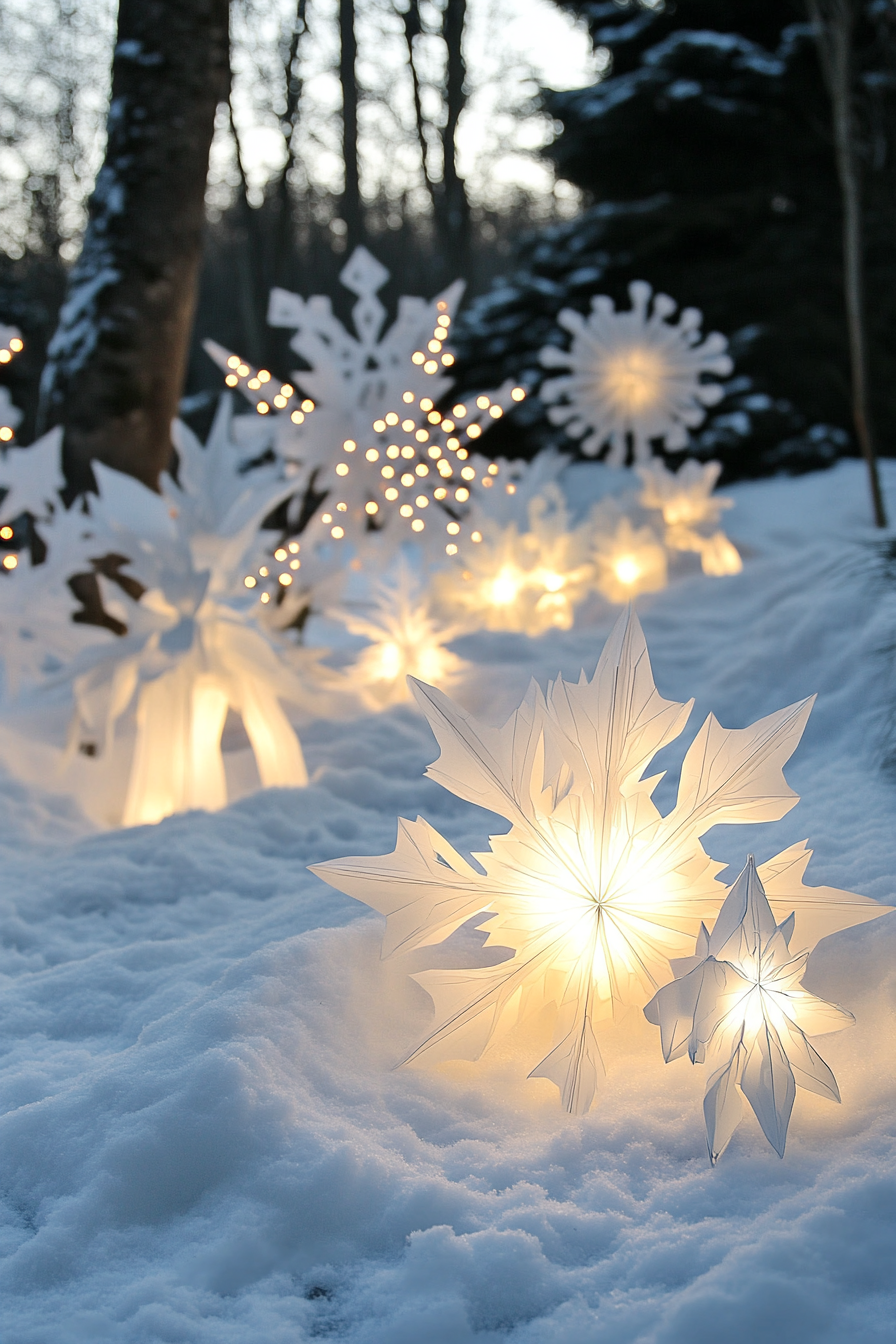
x: 738, y: 1006
x: 592, y: 888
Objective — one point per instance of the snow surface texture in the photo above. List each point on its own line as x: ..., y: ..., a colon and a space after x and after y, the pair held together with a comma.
x: 202, y: 1139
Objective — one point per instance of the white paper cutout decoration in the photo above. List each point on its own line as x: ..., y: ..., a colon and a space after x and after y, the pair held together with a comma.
x: 691, y: 512
x: 633, y: 375
x: 592, y: 888
x: 739, y: 1007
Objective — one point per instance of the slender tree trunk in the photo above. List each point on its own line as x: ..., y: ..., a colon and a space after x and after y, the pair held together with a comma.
x: 284, y: 235
x: 248, y: 259
x: 834, y: 22
x: 412, y: 29
x: 456, y: 206
x: 348, y: 51
x: 116, y: 364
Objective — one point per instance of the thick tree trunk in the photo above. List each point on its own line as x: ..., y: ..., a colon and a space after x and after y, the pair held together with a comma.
x: 116, y: 364
x: 351, y: 197
x: 834, y: 22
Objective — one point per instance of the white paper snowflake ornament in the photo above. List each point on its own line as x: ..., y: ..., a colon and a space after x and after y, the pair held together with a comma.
x: 193, y: 651
x: 406, y: 639
x: 593, y: 889
x: 691, y: 512
x: 739, y: 1007
x: 529, y: 580
x: 377, y: 453
x: 633, y: 377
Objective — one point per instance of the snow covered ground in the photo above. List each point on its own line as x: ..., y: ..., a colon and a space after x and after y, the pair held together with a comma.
x: 201, y: 1135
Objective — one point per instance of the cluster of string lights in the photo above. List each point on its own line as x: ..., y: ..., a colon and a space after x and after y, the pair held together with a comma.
x: 431, y: 468
x: 11, y: 344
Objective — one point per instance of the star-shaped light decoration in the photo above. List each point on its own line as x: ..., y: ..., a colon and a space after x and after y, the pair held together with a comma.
x: 378, y: 455
x: 739, y: 1007
x: 691, y: 512
x: 592, y: 888
x: 633, y: 378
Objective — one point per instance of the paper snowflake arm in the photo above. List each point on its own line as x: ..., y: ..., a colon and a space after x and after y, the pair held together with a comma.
x: 742, y: 1010
x: 32, y: 477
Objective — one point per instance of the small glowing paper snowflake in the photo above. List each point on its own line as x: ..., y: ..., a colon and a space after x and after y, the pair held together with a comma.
x: 530, y: 581
x: 739, y: 1007
x: 592, y: 888
x: 377, y: 455
x: 633, y: 375
x: 691, y: 512
x: 406, y: 639
x: 627, y: 560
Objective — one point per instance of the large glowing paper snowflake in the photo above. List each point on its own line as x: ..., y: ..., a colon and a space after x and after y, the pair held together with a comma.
x: 593, y: 889
x: 530, y: 581
x: 633, y: 376
x: 691, y: 512
x: 193, y: 651
x: 376, y: 454
x: 406, y: 639
x: 738, y: 1006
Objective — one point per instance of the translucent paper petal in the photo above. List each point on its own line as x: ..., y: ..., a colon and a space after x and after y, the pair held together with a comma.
x: 818, y: 911
x: 768, y: 1084
x: 722, y: 1106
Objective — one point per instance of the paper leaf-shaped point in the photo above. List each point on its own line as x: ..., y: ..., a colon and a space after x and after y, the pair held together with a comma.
x: 739, y: 1007
x: 592, y: 889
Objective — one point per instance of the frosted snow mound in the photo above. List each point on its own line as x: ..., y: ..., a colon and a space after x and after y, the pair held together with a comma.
x: 202, y: 1138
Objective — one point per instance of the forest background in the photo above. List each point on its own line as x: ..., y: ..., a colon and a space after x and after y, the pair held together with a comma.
x: 544, y: 151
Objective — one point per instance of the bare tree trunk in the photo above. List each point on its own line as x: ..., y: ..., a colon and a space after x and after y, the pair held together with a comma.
x: 456, y: 206
x: 284, y: 236
x: 250, y: 285
x: 348, y: 51
x: 116, y: 364
x: 834, y: 23
x: 412, y: 29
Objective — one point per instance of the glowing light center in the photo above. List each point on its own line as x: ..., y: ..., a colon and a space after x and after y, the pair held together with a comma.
x: 506, y: 587
x: 626, y: 569
x: 633, y: 378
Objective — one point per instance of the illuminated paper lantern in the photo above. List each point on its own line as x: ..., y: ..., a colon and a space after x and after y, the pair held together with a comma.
x: 193, y: 650
x: 592, y: 889
x: 691, y: 512
x: 738, y: 1006
x: 633, y: 377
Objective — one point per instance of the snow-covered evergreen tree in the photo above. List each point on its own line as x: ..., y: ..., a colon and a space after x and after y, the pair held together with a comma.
x: 706, y: 152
